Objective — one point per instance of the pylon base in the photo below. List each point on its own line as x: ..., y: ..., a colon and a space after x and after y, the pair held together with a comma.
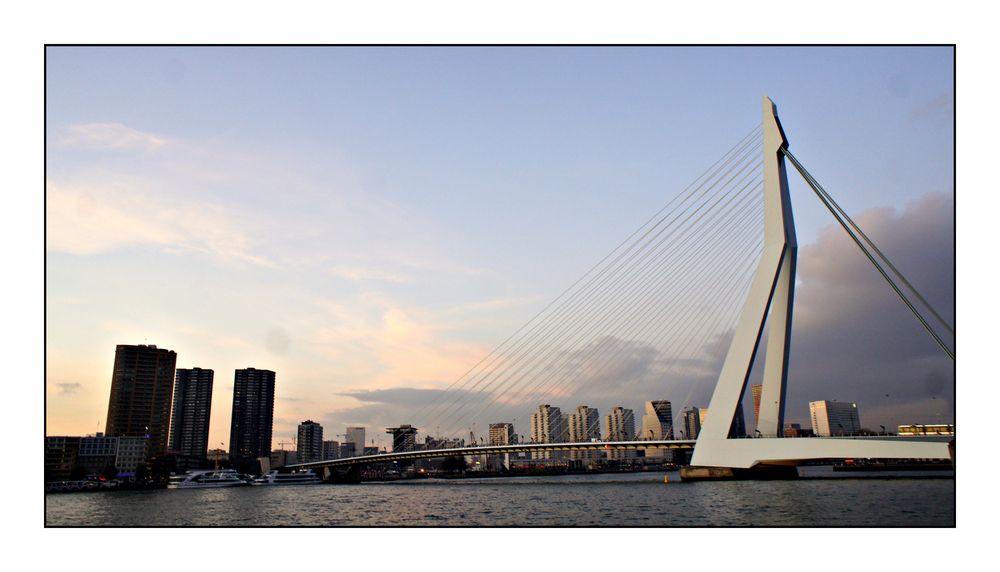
x: 758, y: 473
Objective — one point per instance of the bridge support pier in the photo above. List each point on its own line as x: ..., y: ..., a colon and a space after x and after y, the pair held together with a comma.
x: 758, y: 473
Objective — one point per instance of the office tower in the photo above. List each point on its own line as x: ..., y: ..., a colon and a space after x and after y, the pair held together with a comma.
x: 404, y: 438
x: 331, y: 450
x: 620, y: 425
x: 356, y: 435
x: 142, y: 387
x: 584, y: 425
x: 692, y: 423
x: 657, y: 424
x: 547, y: 426
x: 755, y: 390
x: 253, y: 415
x: 310, y: 442
x: 192, y: 410
x: 738, y: 428
x: 831, y: 418
x: 502, y: 434
x: 347, y: 450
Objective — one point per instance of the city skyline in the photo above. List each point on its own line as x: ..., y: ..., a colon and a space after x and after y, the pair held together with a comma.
x: 379, y: 277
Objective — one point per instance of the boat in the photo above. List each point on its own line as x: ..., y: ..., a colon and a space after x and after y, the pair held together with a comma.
x: 211, y: 479
x: 302, y: 477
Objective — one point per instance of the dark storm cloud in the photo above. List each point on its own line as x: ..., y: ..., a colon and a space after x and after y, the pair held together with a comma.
x: 854, y: 340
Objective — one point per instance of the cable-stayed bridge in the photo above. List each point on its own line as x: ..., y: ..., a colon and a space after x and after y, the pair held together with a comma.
x: 695, y: 286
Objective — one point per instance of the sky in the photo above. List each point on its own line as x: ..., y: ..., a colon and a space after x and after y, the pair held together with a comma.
x: 370, y: 222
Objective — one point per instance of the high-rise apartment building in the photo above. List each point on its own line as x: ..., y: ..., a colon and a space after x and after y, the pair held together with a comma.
x: 253, y: 415
x: 692, y: 423
x: 310, y: 442
x: 831, y: 418
x: 502, y: 434
x: 620, y: 426
x: 192, y: 411
x: 547, y: 426
x: 584, y: 425
x: 356, y: 435
x: 142, y: 387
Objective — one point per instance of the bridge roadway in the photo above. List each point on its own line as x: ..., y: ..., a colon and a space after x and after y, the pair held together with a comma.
x: 591, y: 446
x: 497, y: 450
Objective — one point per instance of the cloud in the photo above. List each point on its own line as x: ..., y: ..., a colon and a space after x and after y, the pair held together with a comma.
x: 109, y: 136
x: 360, y: 274
x: 68, y: 388
x: 86, y: 220
x: 853, y: 339
x: 489, y: 305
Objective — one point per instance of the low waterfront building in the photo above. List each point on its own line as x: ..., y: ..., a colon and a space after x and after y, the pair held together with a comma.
x: 60, y: 457
x: 130, y: 454
x: 282, y: 458
x: 936, y: 429
x: 97, y: 453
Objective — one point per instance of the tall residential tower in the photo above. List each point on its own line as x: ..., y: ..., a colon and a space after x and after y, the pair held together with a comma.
x: 253, y: 415
x: 142, y: 387
x: 192, y: 410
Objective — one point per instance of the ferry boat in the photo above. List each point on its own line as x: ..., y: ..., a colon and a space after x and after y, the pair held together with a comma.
x: 303, y: 477
x: 208, y: 480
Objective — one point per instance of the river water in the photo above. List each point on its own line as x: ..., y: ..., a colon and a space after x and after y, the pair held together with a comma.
x: 632, y: 499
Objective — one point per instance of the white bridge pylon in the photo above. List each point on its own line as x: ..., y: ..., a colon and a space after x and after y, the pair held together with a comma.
x: 773, y: 289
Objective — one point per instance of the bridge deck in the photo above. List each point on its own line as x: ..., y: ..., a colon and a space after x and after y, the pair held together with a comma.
x: 594, y: 446
x: 499, y: 450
